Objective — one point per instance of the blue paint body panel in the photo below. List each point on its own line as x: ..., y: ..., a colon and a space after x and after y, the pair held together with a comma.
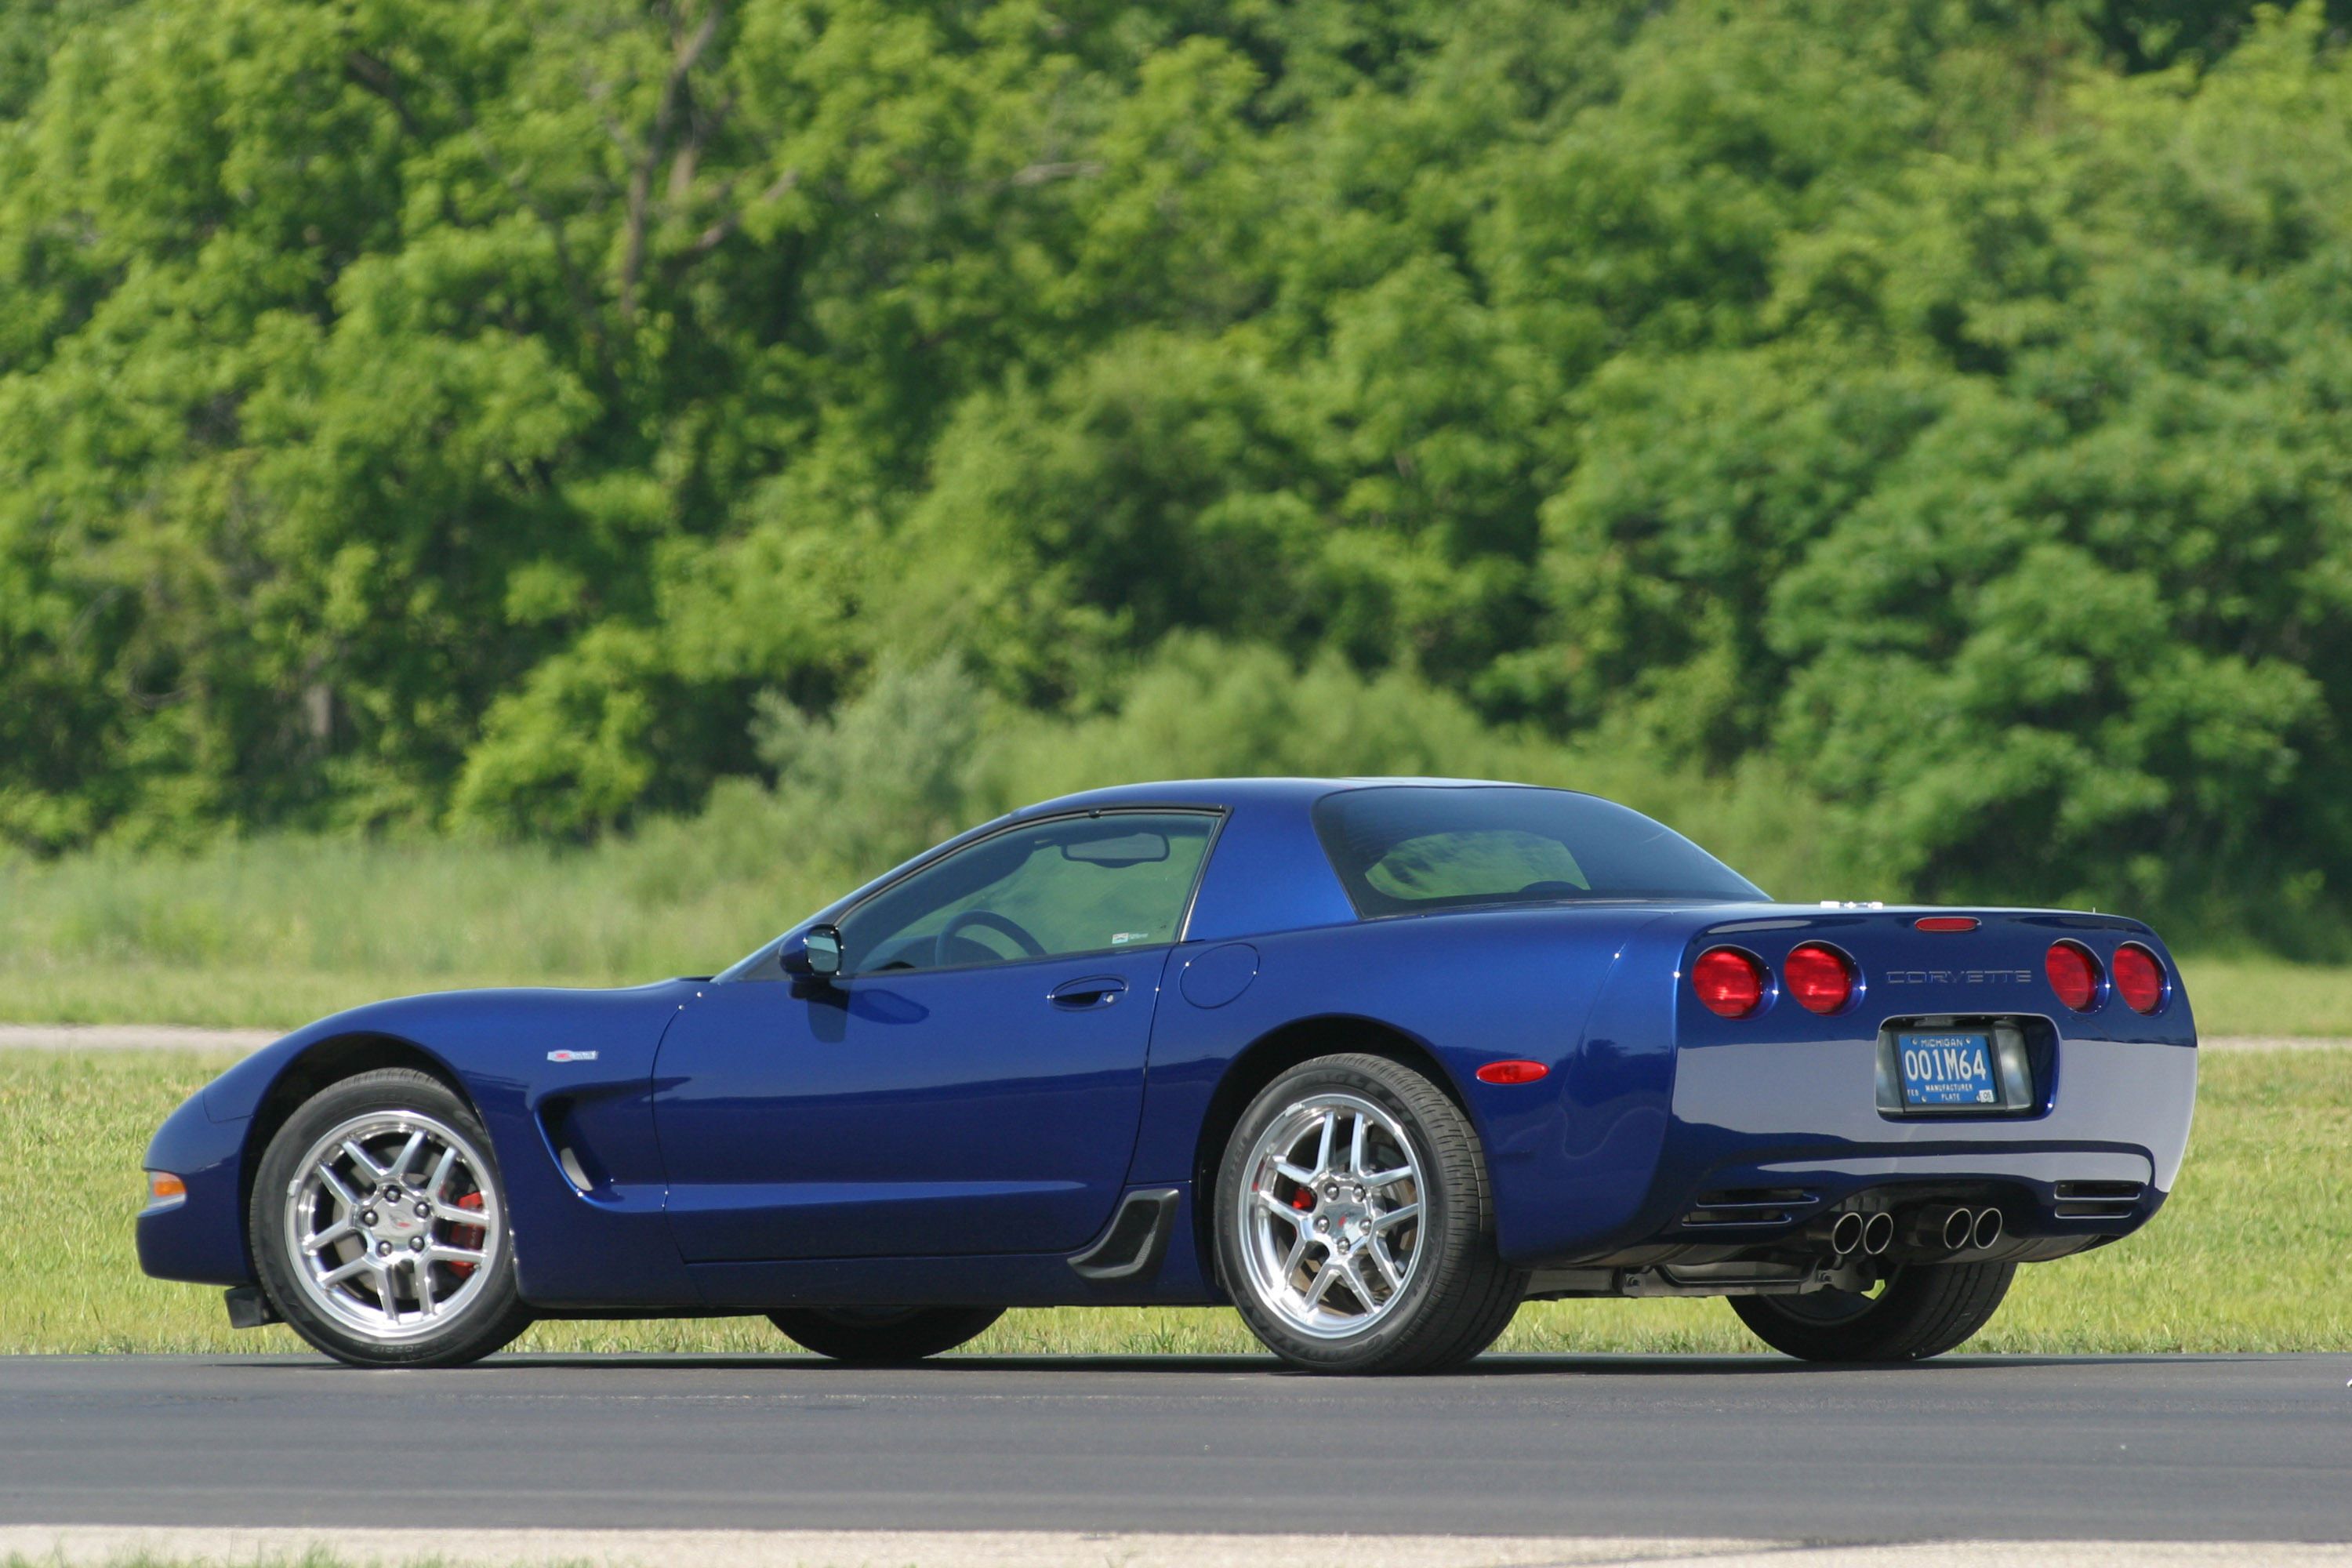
x: 610, y: 1247
x: 202, y: 1237
x: 879, y: 1118
x: 952, y: 1136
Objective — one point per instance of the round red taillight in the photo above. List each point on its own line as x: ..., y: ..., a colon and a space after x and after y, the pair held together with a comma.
x: 1729, y: 982
x: 1819, y: 977
x: 2140, y: 978
x: 2074, y: 974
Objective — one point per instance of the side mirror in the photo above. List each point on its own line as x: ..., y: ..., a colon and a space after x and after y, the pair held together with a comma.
x: 814, y: 953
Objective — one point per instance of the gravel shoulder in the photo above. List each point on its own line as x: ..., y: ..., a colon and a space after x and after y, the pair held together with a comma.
x: 110, y: 1546
x: 133, y: 1037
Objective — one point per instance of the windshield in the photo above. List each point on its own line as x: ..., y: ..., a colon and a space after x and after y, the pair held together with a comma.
x: 1412, y: 848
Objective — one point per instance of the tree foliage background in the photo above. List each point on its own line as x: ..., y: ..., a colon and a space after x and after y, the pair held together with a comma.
x: 1907, y: 439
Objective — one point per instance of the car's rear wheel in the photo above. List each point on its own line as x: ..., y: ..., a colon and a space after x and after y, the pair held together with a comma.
x: 1922, y: 1311
x: 882, y: 1336
x: 1355, y: 1226
x: 380, y: 1228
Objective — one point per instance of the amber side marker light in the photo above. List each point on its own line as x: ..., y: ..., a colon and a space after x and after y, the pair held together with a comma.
x: 162, y: 1188
x: 1512, y: 1072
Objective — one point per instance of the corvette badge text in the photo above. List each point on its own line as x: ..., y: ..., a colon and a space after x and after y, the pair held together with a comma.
x: 1959, y: 976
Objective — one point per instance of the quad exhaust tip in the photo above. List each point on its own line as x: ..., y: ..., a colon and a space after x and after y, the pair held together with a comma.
x: 1938, y: 1228
x: 1853, y: 1231
x: 1874, y: 1234
x: 1961, y: 1229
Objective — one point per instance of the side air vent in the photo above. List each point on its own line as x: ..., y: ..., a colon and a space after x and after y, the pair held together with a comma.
x: 1135, y: 1241
x: 574, y: 1153
x: 1749, y: 1206
x: 2097, y: 1200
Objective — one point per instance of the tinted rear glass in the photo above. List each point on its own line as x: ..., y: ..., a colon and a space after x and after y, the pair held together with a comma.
x: 1406, y: 848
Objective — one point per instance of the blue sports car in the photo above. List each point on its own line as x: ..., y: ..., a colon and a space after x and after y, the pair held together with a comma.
x: 1372, y: 1060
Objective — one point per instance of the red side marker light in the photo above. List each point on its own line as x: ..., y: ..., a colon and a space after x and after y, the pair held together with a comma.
x: 1512, y: 1072
x: 1946, y: 923
x: 1729, y: 984
x: 2140, y: 978
x: 2074, y: 974
x: 1819, y: 977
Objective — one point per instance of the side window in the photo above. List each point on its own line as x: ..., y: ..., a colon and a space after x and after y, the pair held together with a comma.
x: 1075, y: 884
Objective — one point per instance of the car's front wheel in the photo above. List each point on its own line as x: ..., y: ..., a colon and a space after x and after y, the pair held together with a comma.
x: 379, y: 1229
x: 883, y: 1336
x: 1923, y: 1310
x: 1355, y: 1226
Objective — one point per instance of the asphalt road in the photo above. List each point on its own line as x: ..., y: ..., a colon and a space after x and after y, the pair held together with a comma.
x: 2243, y: 1447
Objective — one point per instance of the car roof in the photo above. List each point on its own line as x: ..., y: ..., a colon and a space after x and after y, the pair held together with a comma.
x: 1240, y: 792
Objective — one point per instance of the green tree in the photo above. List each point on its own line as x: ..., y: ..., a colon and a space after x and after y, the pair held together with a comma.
x: 481, y: 416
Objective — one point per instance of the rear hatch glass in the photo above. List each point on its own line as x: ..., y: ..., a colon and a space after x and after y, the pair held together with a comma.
x: 1417, y: 848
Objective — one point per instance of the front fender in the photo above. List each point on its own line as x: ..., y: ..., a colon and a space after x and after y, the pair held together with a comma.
x: 200, y: 1237
x: 608, y: 1245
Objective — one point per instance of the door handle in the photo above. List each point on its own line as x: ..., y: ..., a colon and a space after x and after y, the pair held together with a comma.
x: 1096, y: 991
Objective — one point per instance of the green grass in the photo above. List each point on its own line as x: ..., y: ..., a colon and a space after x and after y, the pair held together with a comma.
x: 2247, y: 1257
x: 276, y: 933
x: 2268, y: 996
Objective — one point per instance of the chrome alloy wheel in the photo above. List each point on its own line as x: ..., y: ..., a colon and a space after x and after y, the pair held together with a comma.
x: 1330, y: 1216
x: 392, y: 1225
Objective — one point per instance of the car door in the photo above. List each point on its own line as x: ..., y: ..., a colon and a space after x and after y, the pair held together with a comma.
x: 972, y: 1081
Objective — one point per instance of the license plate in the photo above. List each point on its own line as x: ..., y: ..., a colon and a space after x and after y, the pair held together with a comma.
x: 1946, y: 1069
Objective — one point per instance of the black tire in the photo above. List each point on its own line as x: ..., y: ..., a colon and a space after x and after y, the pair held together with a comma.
x: 1457, y: 1295
x: 483, y: 1314
x: 883, y: 1336
x: 1923, y: 1311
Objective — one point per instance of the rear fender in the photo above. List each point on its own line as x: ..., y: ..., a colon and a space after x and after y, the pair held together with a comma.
x: 1568, y: 1154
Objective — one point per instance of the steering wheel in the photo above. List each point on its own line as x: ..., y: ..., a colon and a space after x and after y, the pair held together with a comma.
x: 993, y: 921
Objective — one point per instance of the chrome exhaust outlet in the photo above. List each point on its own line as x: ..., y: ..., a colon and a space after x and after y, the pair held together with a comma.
x: 1838, y: 1233
x: 1878, y: 1232
x: 1936, y: 1226
x: 1987, y: 1229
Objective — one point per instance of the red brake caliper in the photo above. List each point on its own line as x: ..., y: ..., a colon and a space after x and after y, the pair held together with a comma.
x: 467, y: 1235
